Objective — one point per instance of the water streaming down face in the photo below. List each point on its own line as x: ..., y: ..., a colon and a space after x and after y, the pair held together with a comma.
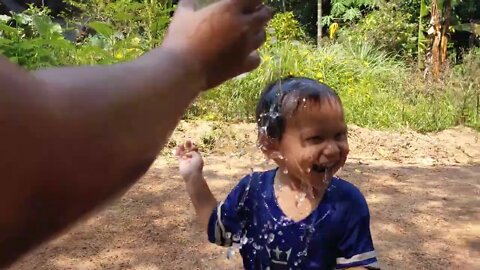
x: 305, y: 186
x: 325, y: 176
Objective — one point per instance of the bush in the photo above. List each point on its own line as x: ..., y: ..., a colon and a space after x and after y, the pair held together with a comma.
x: 387, y: 28
x: 377, y: 91
x: 464, y: 82
x: 124, y: 30
x: 284, y: 27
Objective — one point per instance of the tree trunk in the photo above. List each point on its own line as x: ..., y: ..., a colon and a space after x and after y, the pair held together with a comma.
x: 446, y: 24
x: 319, y: 22
x: 437, y: 37
x: 440, y: 23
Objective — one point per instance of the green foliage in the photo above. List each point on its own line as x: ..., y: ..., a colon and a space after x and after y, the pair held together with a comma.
x: 147, y: 18
x: 284, y: 27
x: 305, y: 12
x: 378, y: 91
x: 349, y: 10
x: 464, y: 80
x: 33, y: 40
x: 124, y: 30
x: 398, y: 34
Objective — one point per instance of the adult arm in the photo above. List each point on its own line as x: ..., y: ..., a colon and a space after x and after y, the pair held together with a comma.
x: 72, y: 138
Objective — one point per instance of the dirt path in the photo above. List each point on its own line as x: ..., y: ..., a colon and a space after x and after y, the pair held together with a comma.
x: 423, y: 192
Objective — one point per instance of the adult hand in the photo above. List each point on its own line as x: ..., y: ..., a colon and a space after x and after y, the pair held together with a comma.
x: 223, y: 44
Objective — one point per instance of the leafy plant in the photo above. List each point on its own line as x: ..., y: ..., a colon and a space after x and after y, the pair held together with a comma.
x: 346, y: 11
x: 397, y: 32
x: 284, y: 27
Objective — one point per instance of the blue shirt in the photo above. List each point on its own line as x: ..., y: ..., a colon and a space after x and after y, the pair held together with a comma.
x: 335, y: 235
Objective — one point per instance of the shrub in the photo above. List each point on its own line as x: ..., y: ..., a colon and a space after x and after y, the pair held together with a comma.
x: 388, y: 28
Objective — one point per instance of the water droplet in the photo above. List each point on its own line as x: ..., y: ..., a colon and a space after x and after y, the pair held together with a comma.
x: 244, y: 240
x: 271, y: 237
x: 230, y: 253
x: 265, y: 236
x: 228, y: 235
x: 303, y: 253
x: 325, y: 178
x: 236, y: 238
x: 285, y: 171
x: 295, y: 263
x: 280, y: 233
x: 278, y: 155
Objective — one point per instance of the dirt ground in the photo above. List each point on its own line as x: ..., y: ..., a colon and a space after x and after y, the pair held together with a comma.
x: 423, y: 191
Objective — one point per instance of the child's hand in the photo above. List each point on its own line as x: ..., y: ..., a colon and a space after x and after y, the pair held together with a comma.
x: 190, y: 161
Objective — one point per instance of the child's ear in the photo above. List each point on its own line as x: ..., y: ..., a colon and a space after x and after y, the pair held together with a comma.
x: 269, y: 146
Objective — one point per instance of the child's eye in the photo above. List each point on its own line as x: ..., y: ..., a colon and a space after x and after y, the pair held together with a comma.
x: 315, y: 139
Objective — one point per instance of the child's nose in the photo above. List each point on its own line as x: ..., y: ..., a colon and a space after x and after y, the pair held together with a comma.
x: 330, y: 151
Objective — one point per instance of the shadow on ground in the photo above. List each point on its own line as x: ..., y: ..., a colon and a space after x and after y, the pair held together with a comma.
x: 422, y: 218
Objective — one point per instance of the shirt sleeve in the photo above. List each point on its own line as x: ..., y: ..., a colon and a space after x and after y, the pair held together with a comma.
x: 225, y: 224
x: 356, y: 247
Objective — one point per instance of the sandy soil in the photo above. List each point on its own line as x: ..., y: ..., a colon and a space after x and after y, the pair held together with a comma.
x: 423, y: 191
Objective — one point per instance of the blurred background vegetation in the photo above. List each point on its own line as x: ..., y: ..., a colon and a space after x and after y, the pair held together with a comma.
x: 396, y: 64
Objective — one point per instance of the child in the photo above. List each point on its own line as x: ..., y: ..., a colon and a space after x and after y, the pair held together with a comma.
x: 299, y: 215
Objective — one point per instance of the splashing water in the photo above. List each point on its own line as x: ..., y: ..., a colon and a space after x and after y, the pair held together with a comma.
x: 265, y: 121
x: 300, y: 198
x: 271, y: 237
x: 325, y: 177
x: 231, y: 252
x: 244, y: 240
x: 309, y: 231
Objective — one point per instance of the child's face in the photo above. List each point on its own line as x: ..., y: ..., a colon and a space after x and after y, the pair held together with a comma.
x: 314, y: 142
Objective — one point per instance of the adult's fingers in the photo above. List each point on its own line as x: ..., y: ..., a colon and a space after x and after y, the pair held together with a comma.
x: 247, y: 5
x: 257, y: 40
x: 259, y: 18
x: 252, y: 62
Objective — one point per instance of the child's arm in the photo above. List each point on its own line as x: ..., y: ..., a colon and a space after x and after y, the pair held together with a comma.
x: 191, y: 169
x: 202, y: 198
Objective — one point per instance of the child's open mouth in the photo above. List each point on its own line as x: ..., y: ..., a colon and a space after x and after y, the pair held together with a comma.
x: 320, y: 168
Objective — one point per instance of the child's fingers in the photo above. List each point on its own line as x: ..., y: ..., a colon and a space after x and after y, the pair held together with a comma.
x: 194, y: 147
x: 191, y: 146
x: 180, y: 150
x: 188, y: 144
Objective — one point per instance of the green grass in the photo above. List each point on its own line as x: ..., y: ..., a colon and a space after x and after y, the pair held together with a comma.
x: 377, y: 90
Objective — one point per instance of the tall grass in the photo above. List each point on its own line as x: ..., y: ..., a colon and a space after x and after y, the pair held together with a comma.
x: 377, y: 90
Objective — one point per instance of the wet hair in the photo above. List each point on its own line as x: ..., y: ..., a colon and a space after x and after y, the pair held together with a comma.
x: 272, y: 109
